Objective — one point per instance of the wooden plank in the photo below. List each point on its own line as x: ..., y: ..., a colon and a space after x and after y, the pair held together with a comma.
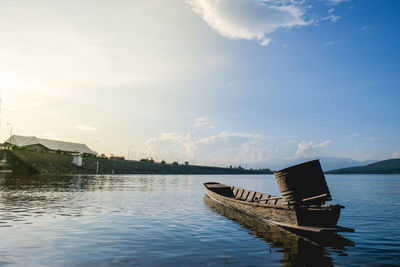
x: 217, y: 186
x: 257, y: 196
x: 235, y: 191
x: 272, y: 198
x: 313, y: 198
x: 268, y: 198
x: 245, y: 194
x: 239, y: 194
x: 251, y: 196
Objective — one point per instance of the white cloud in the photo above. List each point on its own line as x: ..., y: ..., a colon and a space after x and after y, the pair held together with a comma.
x: 265, y: 42
x: 249, y: 19
x: 202, y: 121
x: 332, y: 18
x: 225, y: 135
x: 336, y: 2
x: 323, y: 144
x: 374, y: 138
x: 331, y: 10
x: 175, y: 143
x: 172, y: 145
x: 302, y: 149
x: 85, y: 127
x: 252, y: 151
x: 305, y: 149
x: 396, y: 154
x: 355, y: 134
x: 335, y: 42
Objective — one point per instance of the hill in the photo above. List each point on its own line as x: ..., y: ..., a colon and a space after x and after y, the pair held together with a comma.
x: 327, y: 163
x: 389, y: 166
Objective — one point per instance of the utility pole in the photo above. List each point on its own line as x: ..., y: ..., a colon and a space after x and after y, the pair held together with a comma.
x: 11, y: 128
x: 0, y: 106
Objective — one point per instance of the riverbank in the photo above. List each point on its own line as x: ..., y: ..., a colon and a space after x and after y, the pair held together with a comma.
x: 52, y: 163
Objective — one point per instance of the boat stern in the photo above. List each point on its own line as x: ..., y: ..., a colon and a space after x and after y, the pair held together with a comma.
x: 324, y: 216
x: 317, y: 220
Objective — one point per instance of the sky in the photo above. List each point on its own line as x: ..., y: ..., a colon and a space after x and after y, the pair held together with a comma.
x: 214, y: 82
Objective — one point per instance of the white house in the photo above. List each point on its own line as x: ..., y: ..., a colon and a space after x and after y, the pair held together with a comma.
x: 40, y: 144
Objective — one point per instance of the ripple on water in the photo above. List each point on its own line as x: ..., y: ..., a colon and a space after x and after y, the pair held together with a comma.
x: 151, y: 220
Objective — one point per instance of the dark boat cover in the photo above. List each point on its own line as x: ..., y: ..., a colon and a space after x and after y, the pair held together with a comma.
x: 303, y: 181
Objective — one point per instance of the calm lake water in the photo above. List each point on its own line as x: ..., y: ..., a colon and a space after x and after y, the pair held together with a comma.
x: 156, y: 220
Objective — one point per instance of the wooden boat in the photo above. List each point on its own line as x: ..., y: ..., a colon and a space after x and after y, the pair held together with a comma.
x: 302, y: 204
x: 299, y: 250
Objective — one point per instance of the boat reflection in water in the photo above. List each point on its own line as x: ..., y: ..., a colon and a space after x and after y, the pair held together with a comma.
x: 302, y: 250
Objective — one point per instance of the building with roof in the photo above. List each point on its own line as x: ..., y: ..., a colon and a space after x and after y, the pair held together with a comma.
x: 34, y: 143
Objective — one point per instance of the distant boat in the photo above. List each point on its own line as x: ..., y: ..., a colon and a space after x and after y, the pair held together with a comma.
x: 302, y: 204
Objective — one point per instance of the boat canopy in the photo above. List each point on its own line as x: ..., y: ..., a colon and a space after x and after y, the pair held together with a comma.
x: 303, y: 184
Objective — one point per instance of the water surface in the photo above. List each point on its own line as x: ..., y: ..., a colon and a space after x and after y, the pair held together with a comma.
x: 156, y: 220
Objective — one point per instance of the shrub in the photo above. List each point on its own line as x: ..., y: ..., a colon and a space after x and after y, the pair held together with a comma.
x: 148, y: 160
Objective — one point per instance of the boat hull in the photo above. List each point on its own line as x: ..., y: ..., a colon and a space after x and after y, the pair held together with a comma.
x: 311, y: 219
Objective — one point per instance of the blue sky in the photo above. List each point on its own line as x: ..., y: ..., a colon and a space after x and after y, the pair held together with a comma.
x: 212, y: 82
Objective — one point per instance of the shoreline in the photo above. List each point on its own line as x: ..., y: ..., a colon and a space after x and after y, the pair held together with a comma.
x: 22, y: 161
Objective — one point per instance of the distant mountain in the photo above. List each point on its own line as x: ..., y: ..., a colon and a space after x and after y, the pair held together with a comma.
x: 384, y: 167
x: 327, y: 163
x: 366, y: 162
